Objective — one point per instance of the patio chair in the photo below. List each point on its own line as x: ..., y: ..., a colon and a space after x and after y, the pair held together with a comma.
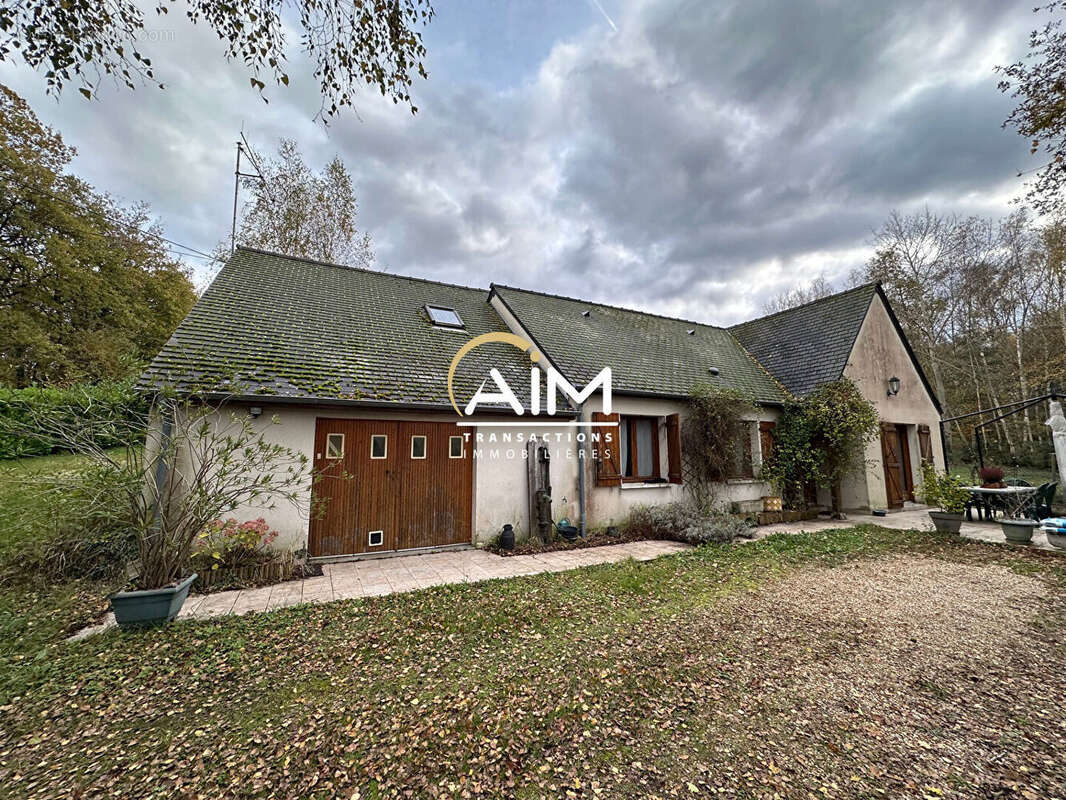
x: 1040, y: 507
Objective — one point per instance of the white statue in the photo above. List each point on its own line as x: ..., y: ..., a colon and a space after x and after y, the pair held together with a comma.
x: 1057, y: 423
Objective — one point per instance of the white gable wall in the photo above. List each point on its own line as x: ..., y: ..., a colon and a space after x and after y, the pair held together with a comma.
x: 877, y: 355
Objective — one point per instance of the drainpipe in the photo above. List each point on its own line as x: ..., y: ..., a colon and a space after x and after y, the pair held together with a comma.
x: 167, y: 424
x: 581, y: 472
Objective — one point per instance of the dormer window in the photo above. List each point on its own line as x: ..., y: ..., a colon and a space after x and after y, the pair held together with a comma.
x: 444, y: 317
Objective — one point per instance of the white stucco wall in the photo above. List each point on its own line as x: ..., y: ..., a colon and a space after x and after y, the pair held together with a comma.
x: 879, y: 354
x: 500, y: 472
x: 608, y: 505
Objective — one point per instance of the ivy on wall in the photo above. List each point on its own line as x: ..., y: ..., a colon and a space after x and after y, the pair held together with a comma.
x: 712, y: 439
x: 821, y: 439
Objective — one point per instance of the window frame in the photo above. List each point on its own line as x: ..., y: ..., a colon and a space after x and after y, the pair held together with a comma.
x: 325, y: 450
x: 634, y: 452
x: 744, y: 469
x: 385, y: 453
x: 425, y: 446
x: 370, y: 538
x: 462, y: 448
x: 457, y: 325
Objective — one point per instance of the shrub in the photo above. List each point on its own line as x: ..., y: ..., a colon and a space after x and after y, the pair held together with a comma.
x: 102, y: 410
x: 712, y: 439
x: 946, y: 492
x: 74, y: 528
x: 231, y: 544
x: 821, y: 439
x: 684, y: 521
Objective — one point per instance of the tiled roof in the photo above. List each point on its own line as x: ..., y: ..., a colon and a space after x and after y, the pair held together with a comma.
x: 646, y: 353
x: 272, y: 325
x: 809, y: 345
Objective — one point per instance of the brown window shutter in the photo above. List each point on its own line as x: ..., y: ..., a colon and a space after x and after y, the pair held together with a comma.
x: 673, y: 447
x: 766, y: 439
x: 608, y: 472
x: 925, y: 444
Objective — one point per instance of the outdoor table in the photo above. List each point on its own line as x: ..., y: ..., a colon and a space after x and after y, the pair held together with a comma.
x: 1014, y: 495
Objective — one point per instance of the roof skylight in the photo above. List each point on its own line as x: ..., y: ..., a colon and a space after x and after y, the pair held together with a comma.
x: 444, y: 316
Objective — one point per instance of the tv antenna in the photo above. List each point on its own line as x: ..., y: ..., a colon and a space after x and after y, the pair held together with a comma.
x: 243, y: 148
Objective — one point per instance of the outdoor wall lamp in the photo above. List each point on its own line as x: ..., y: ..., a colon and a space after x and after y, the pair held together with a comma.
x: 255, y: 412
x: 893, y: 386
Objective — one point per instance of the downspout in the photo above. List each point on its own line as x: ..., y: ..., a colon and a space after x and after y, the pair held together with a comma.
x: 167, y: 419
x: 581, y: 473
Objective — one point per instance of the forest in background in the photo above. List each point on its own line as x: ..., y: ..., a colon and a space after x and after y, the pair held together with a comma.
x: 983, y: 303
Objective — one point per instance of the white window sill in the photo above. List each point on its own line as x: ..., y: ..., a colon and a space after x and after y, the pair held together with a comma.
x: 646, y: 485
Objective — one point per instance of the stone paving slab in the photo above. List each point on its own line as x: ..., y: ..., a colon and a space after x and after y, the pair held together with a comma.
x: 381, y: 576
x: 395, y: 574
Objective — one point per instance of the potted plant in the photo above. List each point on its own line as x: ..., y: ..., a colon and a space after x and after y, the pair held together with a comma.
x: 185, y: 465
x: 991, y: 477
x: 948, y: 493
x: 234, y: 467
x: 1016, y: 528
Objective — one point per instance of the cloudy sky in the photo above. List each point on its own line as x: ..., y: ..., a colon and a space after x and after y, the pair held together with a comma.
x: 689, y: 158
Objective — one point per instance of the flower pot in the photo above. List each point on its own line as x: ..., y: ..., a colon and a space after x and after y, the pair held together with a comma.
x: 150, y: 606
x: 1056, y: 540
x: 1019, y: 531
x: 945, y: 522
x: 771, y: 503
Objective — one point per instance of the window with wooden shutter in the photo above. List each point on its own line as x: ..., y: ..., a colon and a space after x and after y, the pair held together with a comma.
x: 607, y: 449
x: 742, y: 462
x: 925, y: 444
x: 673, y: 447
x: 766, y: 440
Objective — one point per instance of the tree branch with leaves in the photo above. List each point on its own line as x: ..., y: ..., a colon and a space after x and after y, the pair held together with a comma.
x: 86, y: 42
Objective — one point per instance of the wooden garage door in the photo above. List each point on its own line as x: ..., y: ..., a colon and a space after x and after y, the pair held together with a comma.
x: 385, y: 485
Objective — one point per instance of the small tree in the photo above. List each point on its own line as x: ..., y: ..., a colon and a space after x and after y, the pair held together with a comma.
x: 842, y: 422
x: 712, y: 439
x: 821, y: 439
x: 183, y: 465
x: 300, y: 213
x: 794, y: 462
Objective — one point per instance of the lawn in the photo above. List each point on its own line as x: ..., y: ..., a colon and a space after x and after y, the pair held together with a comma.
x: 853, y: 663
x: 35, y: 614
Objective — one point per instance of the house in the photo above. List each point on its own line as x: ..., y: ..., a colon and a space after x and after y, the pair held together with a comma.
x: 423, y: 405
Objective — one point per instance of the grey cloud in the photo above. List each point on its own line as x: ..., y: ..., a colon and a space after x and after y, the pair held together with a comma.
x: 704, y: 154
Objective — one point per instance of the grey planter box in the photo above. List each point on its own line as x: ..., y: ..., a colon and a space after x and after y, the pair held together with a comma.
x: 1019, y: 531
x: 945, y: 522
x: 150, y: 606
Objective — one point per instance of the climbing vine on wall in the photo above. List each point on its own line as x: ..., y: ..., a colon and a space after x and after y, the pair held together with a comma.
x: 821, y: 439
x: 712, y: 438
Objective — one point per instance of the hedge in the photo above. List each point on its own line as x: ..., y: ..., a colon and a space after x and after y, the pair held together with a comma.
x: 104, y: 410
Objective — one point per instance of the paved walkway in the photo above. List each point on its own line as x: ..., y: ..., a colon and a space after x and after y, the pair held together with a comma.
x: 378, y: 576
x: 916, y: 518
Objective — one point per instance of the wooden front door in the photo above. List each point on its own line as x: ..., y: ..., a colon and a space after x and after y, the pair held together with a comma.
x: 896, y: 457
x: 384, y: 485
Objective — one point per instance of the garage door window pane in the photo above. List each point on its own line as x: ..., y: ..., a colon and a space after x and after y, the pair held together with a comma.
x: 418, y: 447
x: 335, y: 445
x: 378, y: 446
